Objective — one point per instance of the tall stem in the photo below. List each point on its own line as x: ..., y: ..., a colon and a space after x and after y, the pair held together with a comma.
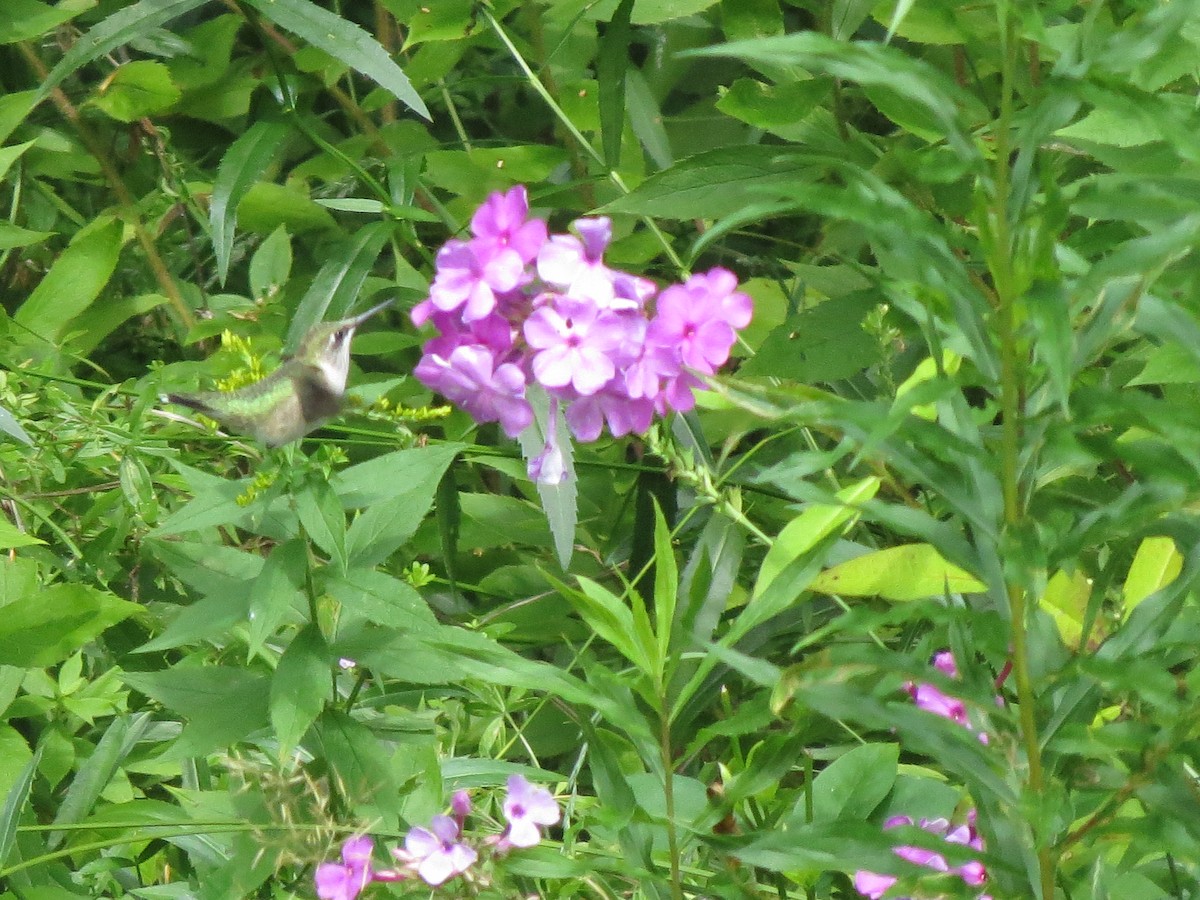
x: 1011, y: 393
x: 668, y: 770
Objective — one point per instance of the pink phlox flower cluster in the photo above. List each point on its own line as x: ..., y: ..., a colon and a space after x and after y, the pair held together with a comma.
x: 438, y: 853
x: 515, y: 306
x: 929, y: 698
x: 973, y: 873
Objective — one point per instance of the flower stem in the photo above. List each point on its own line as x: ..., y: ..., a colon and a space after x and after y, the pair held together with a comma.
x: 1011, y: 393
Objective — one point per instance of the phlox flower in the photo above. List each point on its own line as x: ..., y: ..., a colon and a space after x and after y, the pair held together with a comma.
x: 699, y: 319
x: 526, y: 807
x: 933, y: 700
x: 514, y: 306
x: 435, y: 852
x: 874, y: 885
x: 471, y: 378
x: 345, y: 880
x: 501, y: 227
x: 574, y: 341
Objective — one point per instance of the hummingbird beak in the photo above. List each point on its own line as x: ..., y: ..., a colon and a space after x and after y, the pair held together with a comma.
x: 355, y: 321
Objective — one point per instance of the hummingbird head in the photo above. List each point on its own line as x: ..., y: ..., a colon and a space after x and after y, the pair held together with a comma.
x: 327, y: 346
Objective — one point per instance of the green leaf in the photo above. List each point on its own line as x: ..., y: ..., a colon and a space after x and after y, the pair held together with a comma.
x: 392, y: 474
x: 43, y: 628
x: 822, y: 344
x: 300, y: 687
x: 385, y: 525
x: 276, y: 591
x: 717, y: 183
x: 136, y: 90
x: 356, y: 759
x: 344, y: 41
x: 241, y: 167
x: 855, y: 783
x: 97, y: 771
x: 378, y: 597
x: 23, y: 20
x: 1155, y: 565
x: 339, y: 281
x: 222, y: 704
x: 322, y: 517
x: 613, y: 621
x: 1066, y: 601
x: 15, y: 236
x: 8, y: 156
x: 13, y: 747
x: 271, y: 264
x: 10, y: 535
x: 73, y: 282
x: 612, y: 59
x: 120, y: 28
x: 812, y: 526
x: 907, y: 572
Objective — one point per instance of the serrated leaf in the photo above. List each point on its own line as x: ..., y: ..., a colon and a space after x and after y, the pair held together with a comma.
x: 557, y: 483
x: 275, y: 591
x: 120, y: 28
x: 344, y: 41
x: 907, y: 572
x: 271, y: 264
x: 822, y: 344
x: 241, y: 167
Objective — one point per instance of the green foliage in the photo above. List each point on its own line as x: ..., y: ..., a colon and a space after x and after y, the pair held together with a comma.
x: 964, y: 418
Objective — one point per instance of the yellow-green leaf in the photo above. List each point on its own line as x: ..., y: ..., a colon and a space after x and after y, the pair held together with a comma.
x: 1066, y: 600
x: 908, y: 572
x: 1155, y: 565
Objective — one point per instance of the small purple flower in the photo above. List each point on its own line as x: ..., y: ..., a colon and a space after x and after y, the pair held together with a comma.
x: 699, y: 317
x: 930, y: 699
x: 623, y: 414
x: 575, y: 341
x: 527, y: 807
x: 500, y: 226
x: 345, y: 880
x: 460, y: 806
x: 436, y: 852
x: 471, y: 378
x: 874, y: 886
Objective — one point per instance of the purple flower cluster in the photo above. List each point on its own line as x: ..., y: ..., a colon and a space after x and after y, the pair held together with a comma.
x: 874, y: 886
x: 515, y: 306
x: 929, y: 698
x: 438, y: 853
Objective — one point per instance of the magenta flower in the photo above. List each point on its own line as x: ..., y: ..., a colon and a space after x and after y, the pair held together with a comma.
x: 435, y: 852
x: 699, y: 317
x: 501, y: 228
x: 874, y: 886
x: 513, y: 306
x: 929, y: 698
x: 575, y: 341
x: 527, y: 807
x: 345, y: 880
x: 489, y: 392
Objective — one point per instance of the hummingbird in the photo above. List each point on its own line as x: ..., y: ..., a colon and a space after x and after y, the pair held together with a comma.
x: 305, y: 391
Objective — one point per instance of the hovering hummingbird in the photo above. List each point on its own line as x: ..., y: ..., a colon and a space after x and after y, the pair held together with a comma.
x: 306, y: 390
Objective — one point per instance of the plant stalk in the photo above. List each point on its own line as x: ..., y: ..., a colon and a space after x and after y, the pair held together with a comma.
x: 1011, y: 393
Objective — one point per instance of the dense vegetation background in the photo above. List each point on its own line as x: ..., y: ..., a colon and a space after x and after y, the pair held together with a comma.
x: 964, y: 417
